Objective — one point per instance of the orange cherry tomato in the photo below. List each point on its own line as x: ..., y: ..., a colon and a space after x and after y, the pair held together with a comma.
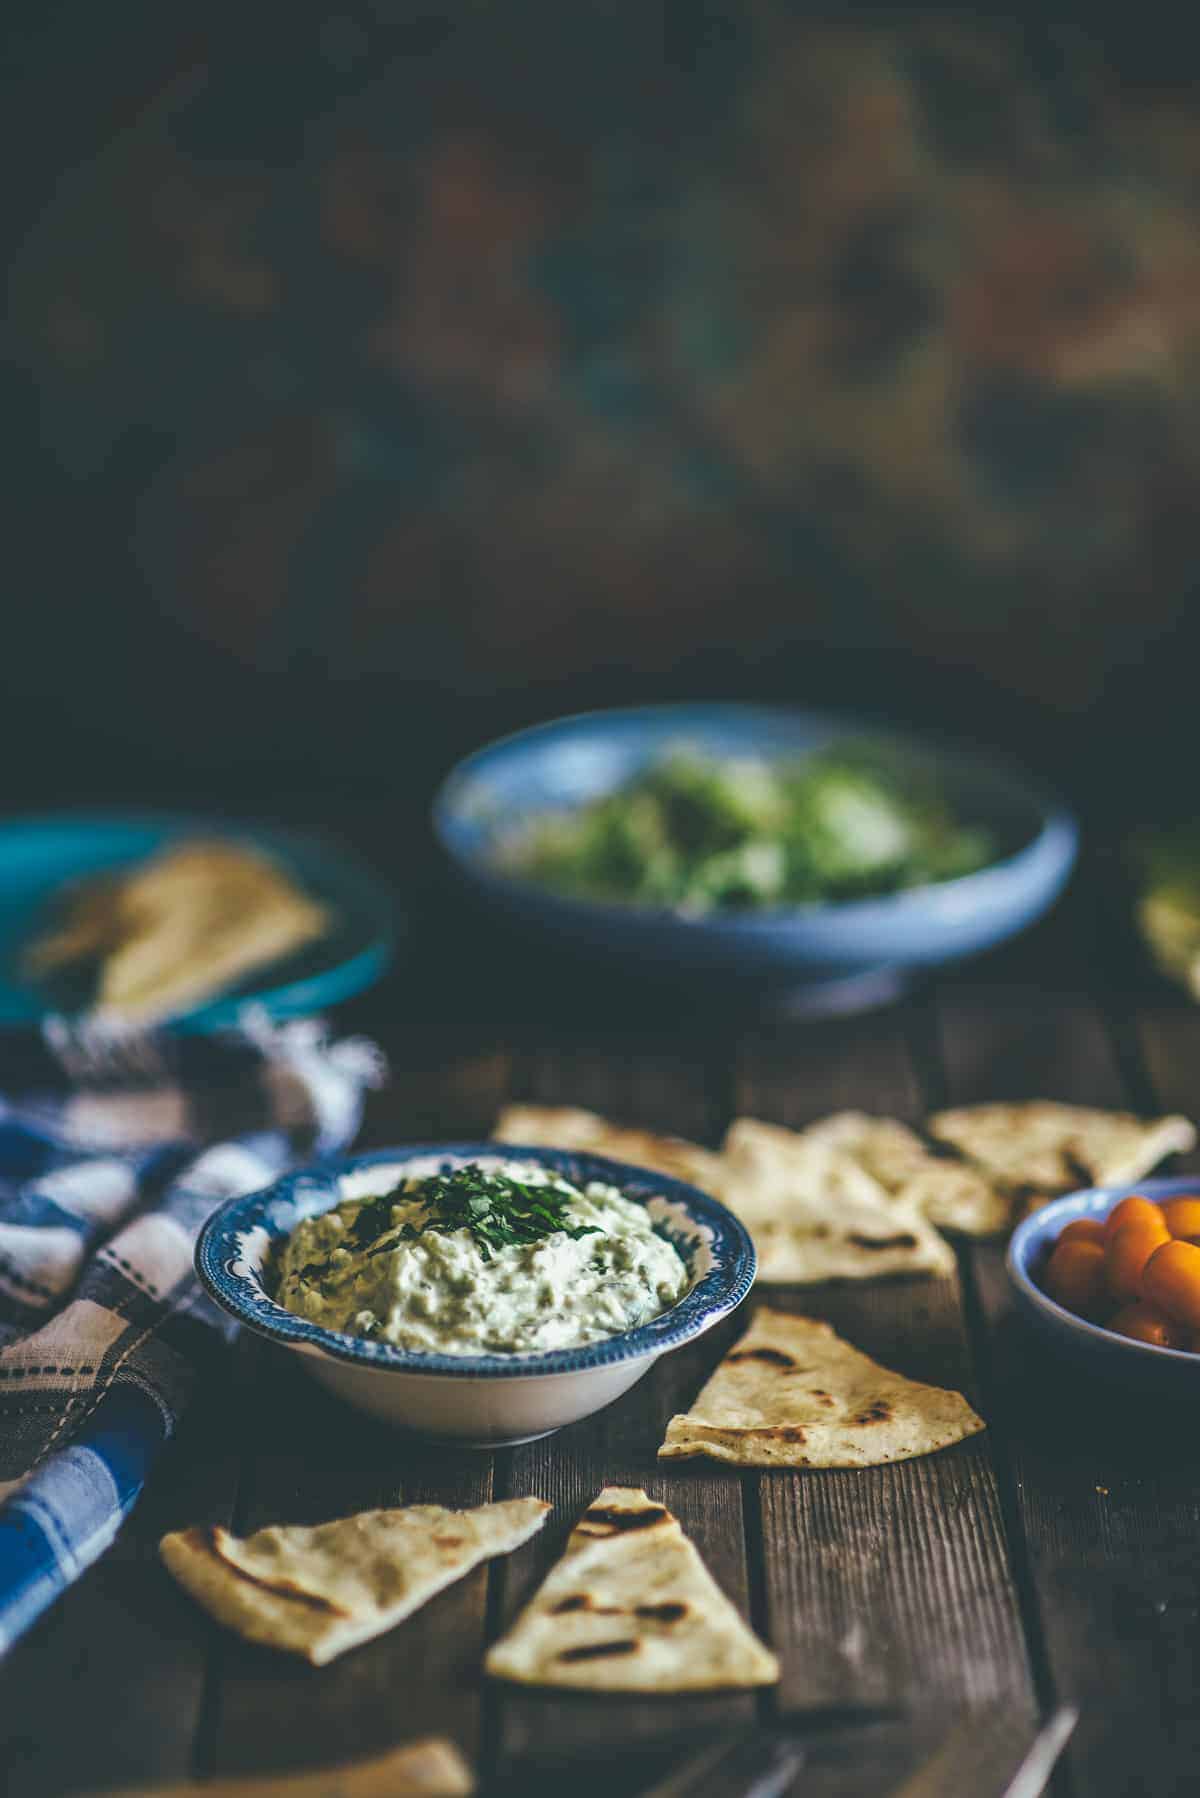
x: 1132, y: 1211
x: 1182, y: 1217
x: 1127, y: 1253
x: 1171, y: 1281
x: 1145, y: 1323
x: 1083, y: 1229
x: 1074, y: 1276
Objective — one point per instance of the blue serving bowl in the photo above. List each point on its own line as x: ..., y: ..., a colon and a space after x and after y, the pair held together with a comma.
x: 558, y: 766
x: 1103, y: 1351
x: 482, y: 1399
x: 41, y: 857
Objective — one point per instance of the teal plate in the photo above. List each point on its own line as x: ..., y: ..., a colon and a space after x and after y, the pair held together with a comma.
x: 39, y: 856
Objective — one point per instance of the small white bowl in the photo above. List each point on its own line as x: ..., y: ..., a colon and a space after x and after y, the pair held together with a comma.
x: 480, y: 1399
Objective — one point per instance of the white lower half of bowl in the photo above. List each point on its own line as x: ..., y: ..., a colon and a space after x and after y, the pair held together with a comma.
x: 486, y: 1413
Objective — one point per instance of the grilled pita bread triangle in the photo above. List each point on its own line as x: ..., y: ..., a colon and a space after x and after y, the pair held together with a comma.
x: 631, y: 1607
x: 183, y: 925
x: 947, y: 1193
x: 1036, y: 1150
x: 567, y: 1127
x: 319, y: 1590
x: 815, y: 1214
x: 791, y: 1393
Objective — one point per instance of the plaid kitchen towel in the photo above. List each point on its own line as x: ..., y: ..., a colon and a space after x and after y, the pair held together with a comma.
x: 103, y: 1188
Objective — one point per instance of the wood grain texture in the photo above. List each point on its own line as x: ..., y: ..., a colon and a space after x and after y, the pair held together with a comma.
x: 1034, y: 1040
x: 1166, y: 1033
x: 1101, y: 1483
x: 538, y: 1732
x: 887, y: 1584
x: 124, y: 1643
x: 309, y: 1458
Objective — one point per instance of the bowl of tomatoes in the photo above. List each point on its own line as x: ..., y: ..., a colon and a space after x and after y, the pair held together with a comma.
x: 1113, y: 1274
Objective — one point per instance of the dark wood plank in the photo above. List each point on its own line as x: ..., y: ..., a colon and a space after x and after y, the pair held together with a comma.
x: 888, y: 1584
x: 1166, y: 1030
x: 314, y: 1459
x: 1102, y: 1485
x: 308, y: 1458
x: 457, y: 1099
x: 538, y: 1734
x: 1037, y: 1039
x: 124, y: 1642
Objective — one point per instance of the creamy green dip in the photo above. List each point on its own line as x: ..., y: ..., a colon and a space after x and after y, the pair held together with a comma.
x: 587, y: 1263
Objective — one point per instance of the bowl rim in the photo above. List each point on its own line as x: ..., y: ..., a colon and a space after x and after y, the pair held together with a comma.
x: 1056, y: 840
x: 286, y: 996
x: 1092, y: 1201
x: 713, y: 1297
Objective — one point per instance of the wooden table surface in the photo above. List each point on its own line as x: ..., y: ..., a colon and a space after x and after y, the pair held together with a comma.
x: 1052, y: 1558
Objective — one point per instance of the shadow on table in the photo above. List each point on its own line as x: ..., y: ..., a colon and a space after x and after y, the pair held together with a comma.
x: 842, y: 1760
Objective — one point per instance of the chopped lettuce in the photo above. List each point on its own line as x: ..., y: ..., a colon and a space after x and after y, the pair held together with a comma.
x: 697, y: 833
x: 1168, y: 903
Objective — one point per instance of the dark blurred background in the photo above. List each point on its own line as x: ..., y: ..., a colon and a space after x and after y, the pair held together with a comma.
x: 383, y: 376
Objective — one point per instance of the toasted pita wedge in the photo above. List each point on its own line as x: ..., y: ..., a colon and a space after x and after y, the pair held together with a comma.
x: 815, y: 1214
x: 318, y: 1591
x: 960, y: 1198
x: 567, y: 1127
x: 182, y: 926
x: 1037, y: 1150
x: 888, y: 1149
x: 793, y: 1394
x: 631, y: 1607
x: 946, y: 1193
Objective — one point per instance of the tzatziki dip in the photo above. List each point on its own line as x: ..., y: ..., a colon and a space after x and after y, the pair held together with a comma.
x: 511, y: 1259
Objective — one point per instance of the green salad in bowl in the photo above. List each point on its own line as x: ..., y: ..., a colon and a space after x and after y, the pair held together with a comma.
x: 1166, y: 867
x: 698, y: 832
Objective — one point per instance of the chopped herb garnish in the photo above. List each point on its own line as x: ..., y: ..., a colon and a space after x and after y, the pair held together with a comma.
x: 374, y: 1218
x: 496, y: 1209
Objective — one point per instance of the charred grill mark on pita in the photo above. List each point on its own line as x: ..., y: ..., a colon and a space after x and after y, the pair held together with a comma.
x: 583, y: 1601
x: 612, y: 1520
x: 901, y: 1241
x: 447, y: 1541
x: 209, y: 1540
x: 669, y: 1611
x: 776, y: 1357
x: 596, y: 1651
x: 879, y: 1412
x: 848, y: 1412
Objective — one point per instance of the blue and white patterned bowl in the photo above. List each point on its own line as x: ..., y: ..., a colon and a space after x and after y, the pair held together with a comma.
x: 477, y: 1398
x: 554, y: 768
x: 1090, y: 1345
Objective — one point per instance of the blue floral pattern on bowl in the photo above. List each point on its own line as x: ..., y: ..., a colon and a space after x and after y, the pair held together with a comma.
x: 235, y: 1247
